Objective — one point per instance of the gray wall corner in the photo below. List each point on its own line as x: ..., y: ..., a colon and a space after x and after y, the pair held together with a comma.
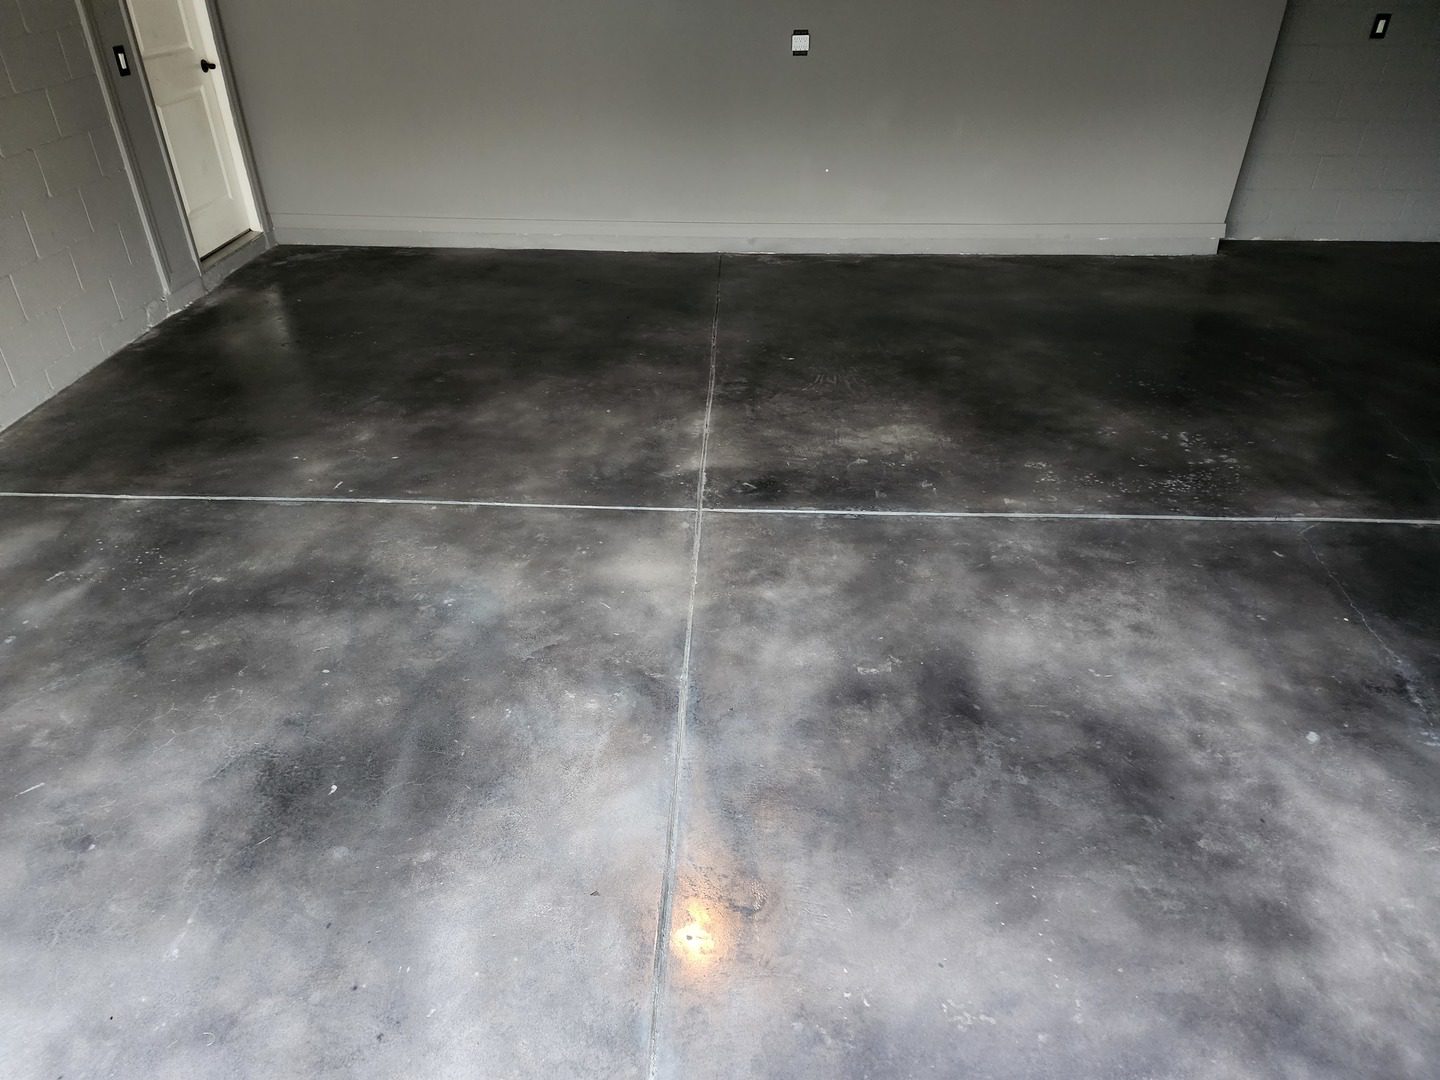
x: 1346, y: 145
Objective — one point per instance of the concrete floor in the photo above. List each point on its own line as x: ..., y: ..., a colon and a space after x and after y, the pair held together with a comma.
x: 321, y: 757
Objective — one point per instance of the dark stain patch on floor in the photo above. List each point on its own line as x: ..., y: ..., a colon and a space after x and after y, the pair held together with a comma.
x: 369, y: 789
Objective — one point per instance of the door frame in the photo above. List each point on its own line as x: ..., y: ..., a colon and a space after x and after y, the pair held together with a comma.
x: 185, y: 276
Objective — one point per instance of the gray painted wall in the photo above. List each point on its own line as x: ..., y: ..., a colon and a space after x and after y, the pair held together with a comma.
x: 992, y: 125
x: 1347, y: 145
x: 76, y: 274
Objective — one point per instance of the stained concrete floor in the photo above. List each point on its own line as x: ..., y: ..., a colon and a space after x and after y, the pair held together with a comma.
x: 1049, y: 686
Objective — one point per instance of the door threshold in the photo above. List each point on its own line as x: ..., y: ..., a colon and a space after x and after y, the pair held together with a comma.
x: 229, y: 257
x: 228, y: 248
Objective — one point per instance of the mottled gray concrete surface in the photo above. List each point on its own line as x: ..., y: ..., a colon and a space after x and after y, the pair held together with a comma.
x: 384, y: 788
x: 1278, y: 378
x: 1060, y: 799
x: 331, y: 790
x: 523, y: 375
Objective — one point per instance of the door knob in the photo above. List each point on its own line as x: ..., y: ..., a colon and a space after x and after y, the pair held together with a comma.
x: 206, y: 65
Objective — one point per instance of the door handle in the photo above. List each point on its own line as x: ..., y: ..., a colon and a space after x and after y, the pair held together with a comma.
x: 206, y: 65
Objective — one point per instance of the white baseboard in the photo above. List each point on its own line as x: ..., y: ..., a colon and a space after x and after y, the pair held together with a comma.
x: 900, y: 239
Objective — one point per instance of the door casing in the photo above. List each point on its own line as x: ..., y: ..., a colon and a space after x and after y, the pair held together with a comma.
x: 185, y: 276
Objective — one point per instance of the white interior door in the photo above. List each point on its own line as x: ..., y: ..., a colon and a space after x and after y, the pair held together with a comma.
x: 177, y: 46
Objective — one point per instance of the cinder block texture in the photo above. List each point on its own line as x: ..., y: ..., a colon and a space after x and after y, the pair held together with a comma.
x: 75, y: 277
x: 1347, y: 142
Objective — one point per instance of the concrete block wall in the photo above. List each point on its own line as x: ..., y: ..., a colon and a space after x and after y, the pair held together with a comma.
x: 76, y: 277
x: 1346, y: 145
